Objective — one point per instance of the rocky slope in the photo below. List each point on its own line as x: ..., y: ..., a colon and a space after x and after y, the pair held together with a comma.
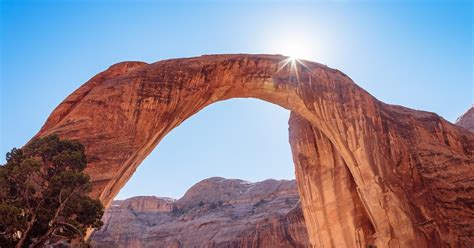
x: 408, y: 173
x: 467, y: 120
x: 215, y: 212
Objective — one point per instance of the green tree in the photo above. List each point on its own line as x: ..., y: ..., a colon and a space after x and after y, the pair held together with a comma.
x: 43, y: 194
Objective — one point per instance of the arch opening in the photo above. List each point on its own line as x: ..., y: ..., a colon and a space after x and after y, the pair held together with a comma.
x: 237, y: 138
x: 271, y: 205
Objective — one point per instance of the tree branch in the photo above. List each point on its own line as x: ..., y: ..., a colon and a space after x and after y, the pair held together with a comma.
x: 53, y: 221
x: 73, y: 227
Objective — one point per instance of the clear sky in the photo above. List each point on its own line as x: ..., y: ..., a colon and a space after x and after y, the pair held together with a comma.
x: 413, y: 53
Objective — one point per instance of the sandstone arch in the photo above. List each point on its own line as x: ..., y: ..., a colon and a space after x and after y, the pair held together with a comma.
x: 391, y: 176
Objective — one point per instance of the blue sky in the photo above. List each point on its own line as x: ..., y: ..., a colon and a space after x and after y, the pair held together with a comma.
x: 413, y: 53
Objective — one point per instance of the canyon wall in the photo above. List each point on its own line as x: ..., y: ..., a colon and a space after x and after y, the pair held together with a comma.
x: 216, y: 212
x: 404, y: 176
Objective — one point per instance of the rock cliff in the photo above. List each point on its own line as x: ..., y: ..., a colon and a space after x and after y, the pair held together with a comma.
x: 216, y: 212
x: 408, y: 173
x: 467, y: 120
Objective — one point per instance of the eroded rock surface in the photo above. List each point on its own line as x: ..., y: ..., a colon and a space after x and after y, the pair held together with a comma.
x: 216, y: 212
x: 330, y: 191
x: 412, y: 171
x: 431, y: 183
x: 467, y: 120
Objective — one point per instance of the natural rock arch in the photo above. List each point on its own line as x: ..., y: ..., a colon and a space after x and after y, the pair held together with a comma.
x: 368, y: 173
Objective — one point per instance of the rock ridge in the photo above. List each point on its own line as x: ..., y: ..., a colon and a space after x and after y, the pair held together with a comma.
x: 215, y: 212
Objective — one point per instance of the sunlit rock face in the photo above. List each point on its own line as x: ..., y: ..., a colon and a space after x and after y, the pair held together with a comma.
x: 410, y: 171
x: 216, y: 212
x: 434, y: 184
x: 467, y: 120
x: 329, y: 190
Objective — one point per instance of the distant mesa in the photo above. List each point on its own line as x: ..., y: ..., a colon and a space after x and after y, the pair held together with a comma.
x: 215, y: 212
x: 467, y: 120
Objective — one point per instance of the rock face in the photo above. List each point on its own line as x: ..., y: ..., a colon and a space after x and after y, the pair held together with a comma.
x: 404, y: 177
x: 467, y: 120
x: 216, y: 212
x: 340, y: 218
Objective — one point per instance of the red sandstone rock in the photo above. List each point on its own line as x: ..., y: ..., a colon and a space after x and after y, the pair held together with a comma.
x: 408, y: 173
x: 216, y: 212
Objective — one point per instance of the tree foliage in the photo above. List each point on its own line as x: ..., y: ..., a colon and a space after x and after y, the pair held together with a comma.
x: 43, y: 194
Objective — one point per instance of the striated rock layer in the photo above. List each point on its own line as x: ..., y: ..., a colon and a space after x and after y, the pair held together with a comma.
x: 404, y: 177
x: 216, y: 212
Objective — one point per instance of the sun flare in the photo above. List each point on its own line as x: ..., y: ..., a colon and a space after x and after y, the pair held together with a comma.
x: 294, y: 51
x: 295, y: 47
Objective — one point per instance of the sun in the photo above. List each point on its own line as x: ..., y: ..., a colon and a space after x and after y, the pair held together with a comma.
x: 295, y: 47
x: 292, y: 58
x: 295, y: 52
